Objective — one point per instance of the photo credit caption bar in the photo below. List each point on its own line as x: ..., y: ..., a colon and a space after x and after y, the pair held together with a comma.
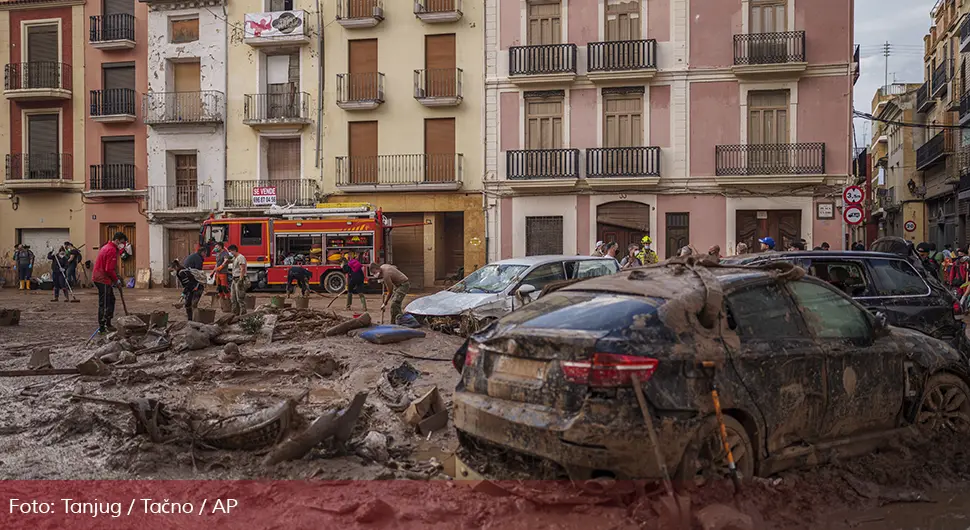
x: 115, y: 509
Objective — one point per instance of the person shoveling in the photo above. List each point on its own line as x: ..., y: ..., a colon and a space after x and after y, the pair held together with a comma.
x: 60, y: 260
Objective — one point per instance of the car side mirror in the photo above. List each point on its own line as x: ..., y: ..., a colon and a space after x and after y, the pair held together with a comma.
x: 525, y: 290
x: 881, y: 325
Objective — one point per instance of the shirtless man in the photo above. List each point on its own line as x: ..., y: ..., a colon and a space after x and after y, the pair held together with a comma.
x: 396, y: 287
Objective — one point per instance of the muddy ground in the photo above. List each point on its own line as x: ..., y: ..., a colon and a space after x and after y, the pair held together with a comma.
x: 44, y: 434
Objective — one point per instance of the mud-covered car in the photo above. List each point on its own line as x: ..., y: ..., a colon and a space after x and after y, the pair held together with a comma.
x: 804, y: 373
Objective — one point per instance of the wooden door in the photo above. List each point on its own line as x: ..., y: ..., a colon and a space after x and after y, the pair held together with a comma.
x: 543, y: 128
x: 181, y: 243
x: 624, y: 222
x: 545, y: 22
x: 363, y: 78
x: 784, y: 226
x: 186, y: 102
x: 186, y: 181
x: 767, y: 132
x: 126, y: 267
x: 768, y: 17
x: 677, y: 233
x: 623, y: 127
x: 439, y: 150
x: 440, y: 66
x: 623, y: 20
x: 363, y: 152
x: 452, y: 251
x: 407, y: 247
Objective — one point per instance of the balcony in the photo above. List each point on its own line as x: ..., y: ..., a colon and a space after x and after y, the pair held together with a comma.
x: 39, y: 172
x: 770, y: 55
x: 355, y: 14
x: 856, y: 65
x: 940, y: 77
x: 438, y: 88
x: 37, y: 80
x: 112, y: 32
x: 239, y: 193
x: 180, y: 199
x: 935, y: 150
x: 965, y: 35
x: 923, y: 100
x: 183, y: 108
x: 543, y: 165
x: 276, y: 111
x: 770, y: 163
x: 546, y: 63
x: 360, y: 91
x: 420, y: 172
x: 634, y: 60
x: 965, y: 108
x: 275, y: 28
x: 111, y: 180
x: 626, y: 165
x: 437, y: 11
x: 113, y: 105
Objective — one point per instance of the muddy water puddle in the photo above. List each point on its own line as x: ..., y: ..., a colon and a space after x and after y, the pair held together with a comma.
x: 949, y: 510
x: 229, y: 399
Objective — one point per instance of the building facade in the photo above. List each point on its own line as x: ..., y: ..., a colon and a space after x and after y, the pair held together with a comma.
x: 185, y: 111
x: 42, y: 127
x: 403, y: 126
x: 115, y: 142
x: 697, y: 123
x: 896, y: 208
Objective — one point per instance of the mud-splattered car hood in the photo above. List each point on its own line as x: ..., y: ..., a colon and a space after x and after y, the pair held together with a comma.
x: 447, y: 303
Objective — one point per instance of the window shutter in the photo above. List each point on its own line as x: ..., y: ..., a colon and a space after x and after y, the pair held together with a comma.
x: 119, y: 152
x: 42, y: 43
x: 117, y: 7
x: 42, y: 134
x: 283, y: 159
x: 119, y: 77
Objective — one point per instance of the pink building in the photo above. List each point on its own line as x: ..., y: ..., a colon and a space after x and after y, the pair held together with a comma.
x: 705, y: 123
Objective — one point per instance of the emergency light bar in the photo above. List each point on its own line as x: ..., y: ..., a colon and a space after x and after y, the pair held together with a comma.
x: 317, y: 213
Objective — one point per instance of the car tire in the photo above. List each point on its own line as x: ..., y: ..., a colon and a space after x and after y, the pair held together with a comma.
x: 945, y: 405
x: 334, y: 282
x: 695, y: 468
x: 261, y: 281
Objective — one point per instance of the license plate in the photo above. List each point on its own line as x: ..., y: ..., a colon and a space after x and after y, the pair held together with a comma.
x: 520, y: 368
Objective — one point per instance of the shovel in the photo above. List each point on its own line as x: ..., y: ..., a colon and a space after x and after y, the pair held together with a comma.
x: 124, y: 306
x: 73, y: 297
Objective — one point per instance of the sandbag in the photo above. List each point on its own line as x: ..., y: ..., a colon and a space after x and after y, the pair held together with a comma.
x: 390, y: 334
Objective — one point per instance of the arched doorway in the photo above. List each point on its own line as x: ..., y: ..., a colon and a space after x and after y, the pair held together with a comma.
x: 622, y: 221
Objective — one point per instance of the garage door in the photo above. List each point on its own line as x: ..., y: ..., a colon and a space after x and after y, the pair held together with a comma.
x: 41, y: 240
x: 407, y: 247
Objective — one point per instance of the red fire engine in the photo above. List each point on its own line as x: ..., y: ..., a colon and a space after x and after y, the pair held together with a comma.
x: 315, y: 238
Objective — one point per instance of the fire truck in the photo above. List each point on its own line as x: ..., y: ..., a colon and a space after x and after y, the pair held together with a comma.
x: 314, y: 238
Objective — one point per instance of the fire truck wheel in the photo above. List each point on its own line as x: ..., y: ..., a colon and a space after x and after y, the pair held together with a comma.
x: 261, y: 280
x: 334, y: 283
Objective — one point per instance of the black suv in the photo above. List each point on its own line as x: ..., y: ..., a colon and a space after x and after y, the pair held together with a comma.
x: 884, y: 282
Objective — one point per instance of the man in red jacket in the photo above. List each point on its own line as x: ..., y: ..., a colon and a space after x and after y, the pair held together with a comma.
x: 105, y: 277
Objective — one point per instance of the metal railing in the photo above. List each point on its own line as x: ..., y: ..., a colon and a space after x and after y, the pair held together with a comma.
x: 196, y: 198
x: 444, y: 83
x: 206, y: 106
x: 769, y: 48
x: 964, y: 105
x: 542, y: 59
x: 359, y: 8
x: 623, y: 162
x: 857, y: 63
x: 965, y: 30
x: 116, y: 26
x: 40, y: 166
x: 923, y: 99
x: 935, y: 149
x: 399, y: 170
x: 542, y: 164
x: 239, y: 193
x: 770, y: 159
x: 112, y: 102
x: 37, y: 75
x: 621, y: 55
x: 367, y: 86
x: 436, y: 6
x: 111, y: 177
x: 276, y: 107
x: 940, y: 77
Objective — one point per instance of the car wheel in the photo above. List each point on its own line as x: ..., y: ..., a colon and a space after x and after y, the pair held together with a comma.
x: 705, y: 459
x: 335, y: 282
x: 945, y: 405
x: 261, y: 281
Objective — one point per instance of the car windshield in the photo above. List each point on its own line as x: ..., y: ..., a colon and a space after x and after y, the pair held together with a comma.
x: 489, y: 279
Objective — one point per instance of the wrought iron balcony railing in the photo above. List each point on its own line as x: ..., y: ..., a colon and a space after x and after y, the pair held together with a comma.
x: 399, y: 170
x: 542, y: 164
x: 542, y: 59
x: 207, y: 106
x: 621, y: 55
x: 940, y: 77
x: 360, y: 9
x: 441, y: 83
x: 923, y: 99
x: 276, y: 108
x: 360, y: 87
x: 113, y: 102
x: 769, y: 48
x: 40, y: 166
x: 37, y: 75
x: 935, y: 150
x: 770, y: 159
x: 116, y: 26
x: 623, y: 162
x: 239, y: 193
x: 436, y: 6
x: 112, y: 177
x: 197, y: 198
x: 964, y: 105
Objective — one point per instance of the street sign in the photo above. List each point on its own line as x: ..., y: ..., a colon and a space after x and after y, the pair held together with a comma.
x: 910, y: 226
x: 264, y: 196
x: 852, y: 214
x: 853, y: 195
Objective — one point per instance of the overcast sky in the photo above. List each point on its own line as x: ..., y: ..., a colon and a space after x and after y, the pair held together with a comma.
x: 901, y: 22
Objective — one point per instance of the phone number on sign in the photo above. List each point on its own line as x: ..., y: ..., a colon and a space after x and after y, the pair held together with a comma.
x: 264, y: 200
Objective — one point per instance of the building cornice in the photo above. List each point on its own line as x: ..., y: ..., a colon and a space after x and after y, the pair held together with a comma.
x: 173, y: 5
x: 23, y: 5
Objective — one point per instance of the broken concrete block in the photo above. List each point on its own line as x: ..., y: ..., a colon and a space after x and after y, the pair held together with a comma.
x: 374, y: 447
x: 130, y: 323
x: 93, y: 366
x: 40, y: 359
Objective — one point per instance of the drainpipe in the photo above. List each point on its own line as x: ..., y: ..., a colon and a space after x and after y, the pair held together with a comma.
x: 225, y: 126
x: 320, y: 80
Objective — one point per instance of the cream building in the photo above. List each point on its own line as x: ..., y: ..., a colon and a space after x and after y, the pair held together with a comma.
x: 403, y: 122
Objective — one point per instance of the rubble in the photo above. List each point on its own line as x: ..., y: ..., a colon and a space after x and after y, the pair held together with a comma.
x: 374, y: 447
x: 336, y: 424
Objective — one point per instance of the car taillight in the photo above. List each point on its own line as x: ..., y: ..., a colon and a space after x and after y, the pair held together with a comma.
x: 608, y: 370
x: 956, y: 308
x: 471, y: 354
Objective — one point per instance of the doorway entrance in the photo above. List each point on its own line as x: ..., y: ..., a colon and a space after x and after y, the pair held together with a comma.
x: 625, y: 222
x: 784, y: 226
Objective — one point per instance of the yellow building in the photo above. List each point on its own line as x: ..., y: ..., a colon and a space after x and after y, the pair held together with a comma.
x: 42, y: 128
x: 898, y: 205
x: 403, y: 126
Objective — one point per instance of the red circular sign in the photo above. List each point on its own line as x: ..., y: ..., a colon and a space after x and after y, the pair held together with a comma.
x: 853, y: 195
x: 910, y: 226
x: 853, y: 214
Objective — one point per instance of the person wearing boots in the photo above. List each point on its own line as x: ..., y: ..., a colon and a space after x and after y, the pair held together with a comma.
x: 355, y: 281
x: 24, y: 261
x: 302, y: 278
x: 105, y: 277
x: 58, y: 273
x: 221, y: 271
x: 192, y: 288
x: 240, y: 283
x: 73, y: 260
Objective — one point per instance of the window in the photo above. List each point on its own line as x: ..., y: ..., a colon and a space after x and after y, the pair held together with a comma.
x: 43, y: 58
x: 280, y: 5
x: 217, y: 233
x: 897, y: 278
x: 829, y: 315
x: 623, y: 120
x: 251, y: 234
x: 543, y: 235
x: 283, y: 158
x: 543, y: 121
x: 118, y: 157
x: 545, y: 24
x: 678, y: 233
x: 846, y: 276
x: 623, y: 20
x: 763, y: 312
x: 767, y: 117
x: 283, y: 74
x: 184, y: 30
x: 42, y: 160
x: 591, y: 268
x: 543, y: 275
x: 768, y: 16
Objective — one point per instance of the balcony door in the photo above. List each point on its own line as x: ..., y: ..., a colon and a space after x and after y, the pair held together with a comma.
x: 118, y: 157
x: 440, y: 66
x: 766, y: 17
x: 42, y: 160
x: 42, y: 69
x: 282, y: 86
x: 543, y: 130
x: 186, y: 103
x: 119, y: 88
x: 623, y: 20
x: 545, y: 22
x: 622, y: 127
x: 186, y: 180
x: 283, y: 160
x: 768, y: 153
x: 439, y: 150
x: 363, y: 152
x: 363, y: 82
